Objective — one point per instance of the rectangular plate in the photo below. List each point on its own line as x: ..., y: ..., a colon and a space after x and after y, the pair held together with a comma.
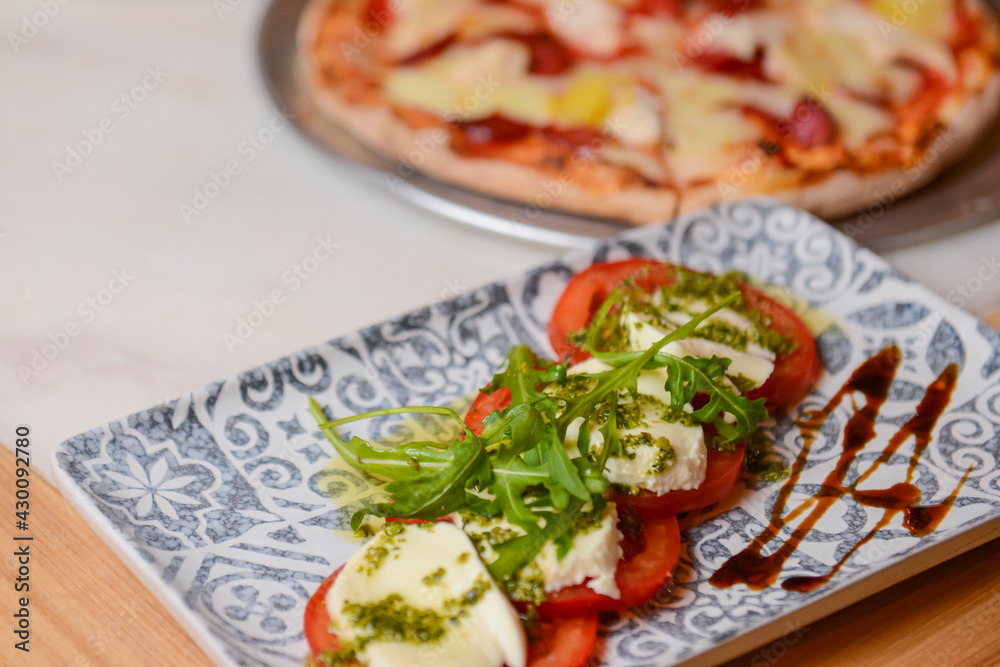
x: 224, y: 503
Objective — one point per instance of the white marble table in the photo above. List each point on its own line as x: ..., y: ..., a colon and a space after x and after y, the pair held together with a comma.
x: 97, y: 258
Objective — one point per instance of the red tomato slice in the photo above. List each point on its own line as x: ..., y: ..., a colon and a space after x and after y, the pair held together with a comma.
x: 562, y: 642
x: 554, y: 643
x: 794, y: 373
x: 646, y: 565
x: 589, y: 289
x: 317, y: 619
x: 483, y: 406
x: 721, y: 477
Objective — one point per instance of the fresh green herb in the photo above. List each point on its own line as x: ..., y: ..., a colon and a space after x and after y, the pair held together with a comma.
x: 688, y: 375
x: 759, y: 461
x: 518, y: 467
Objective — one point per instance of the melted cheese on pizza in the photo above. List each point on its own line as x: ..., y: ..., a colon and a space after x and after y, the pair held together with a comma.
x: 681, y: 95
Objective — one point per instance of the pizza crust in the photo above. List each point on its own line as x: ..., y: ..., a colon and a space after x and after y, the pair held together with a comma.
x: 842, y: 192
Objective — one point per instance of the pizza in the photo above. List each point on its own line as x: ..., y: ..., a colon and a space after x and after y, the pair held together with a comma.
x: 642, y: 109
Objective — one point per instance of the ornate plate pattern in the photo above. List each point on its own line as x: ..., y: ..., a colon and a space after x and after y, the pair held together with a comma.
x: 224, y: 501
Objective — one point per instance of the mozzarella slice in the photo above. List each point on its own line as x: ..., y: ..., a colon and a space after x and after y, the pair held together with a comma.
x: 591, y: 26
x: 418, y: 24
x: 431, y: 568
x: 647, y: 466
x: 593, y: 558
x: 755, y: 363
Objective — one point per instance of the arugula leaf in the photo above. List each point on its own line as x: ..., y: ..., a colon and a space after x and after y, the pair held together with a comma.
x: 426, y: 481
x: 522, y: 377
x: 514, y: 554
x: 626, y: 373
x: 687, y: 376
x: 511, y: 479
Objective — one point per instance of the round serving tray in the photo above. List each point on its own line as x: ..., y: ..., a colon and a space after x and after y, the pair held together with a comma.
x: 966, y: 194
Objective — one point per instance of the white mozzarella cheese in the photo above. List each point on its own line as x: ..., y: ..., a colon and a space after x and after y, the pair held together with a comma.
x: 858, y: 121
x: 431, y: 568
x: 755, y: 363
x: 686, y: 470
x: 647, y: 469
x: 744, y: 32
x: 593, y: 558
x: 592, y: 26
x: 635, y: 117
x: 470, y: 82
x: 418, y: 24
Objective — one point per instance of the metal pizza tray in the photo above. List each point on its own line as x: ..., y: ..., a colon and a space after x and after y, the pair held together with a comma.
x: 966, y: 194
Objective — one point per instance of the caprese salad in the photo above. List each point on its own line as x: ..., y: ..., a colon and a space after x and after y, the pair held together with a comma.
x: 559, y: 498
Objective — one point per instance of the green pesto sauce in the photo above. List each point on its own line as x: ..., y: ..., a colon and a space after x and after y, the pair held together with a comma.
x: 724, y: 333
x: 392, y: 620
x: 681, y: 417
x: 688, y: 287
x: 572, y: 387
x: 376, y: 554
x: 664, y: 458
x: 528, y: 585
x: 363, y: 531
x: 629, y: 413
x: 743, y: 383
x: 485, y: 540
x: 435, y: 577
x: 759, y: 461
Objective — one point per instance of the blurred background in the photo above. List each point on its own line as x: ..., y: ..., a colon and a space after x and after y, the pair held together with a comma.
x: 133, y: 259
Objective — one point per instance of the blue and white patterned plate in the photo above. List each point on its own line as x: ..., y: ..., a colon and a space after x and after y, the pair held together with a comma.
x: 225, y: 503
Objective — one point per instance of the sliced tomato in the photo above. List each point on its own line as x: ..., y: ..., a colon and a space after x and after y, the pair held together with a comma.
x: 589, y: 289
x: 562, y: 642
x: 483, y: 406
x: 645, y: 567
x: 794, y: 374
x: 317, y: 619
x: 721, y: 477
x: 554, y: 643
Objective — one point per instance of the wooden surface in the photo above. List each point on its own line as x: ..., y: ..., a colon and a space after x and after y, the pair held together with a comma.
x: 88, y: 610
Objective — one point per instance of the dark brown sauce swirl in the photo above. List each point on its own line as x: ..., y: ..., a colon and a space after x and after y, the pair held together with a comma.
x: 872, y: 380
